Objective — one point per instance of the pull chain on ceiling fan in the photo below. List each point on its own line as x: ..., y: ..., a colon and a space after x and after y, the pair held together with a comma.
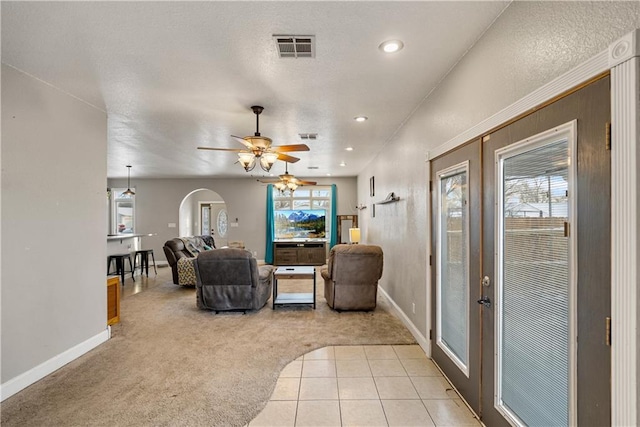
x: 258, y: 148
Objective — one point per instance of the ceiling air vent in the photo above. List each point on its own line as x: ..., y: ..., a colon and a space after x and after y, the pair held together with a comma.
x: 308, y: 136
x: 313, y: 167
x: 296, y: 46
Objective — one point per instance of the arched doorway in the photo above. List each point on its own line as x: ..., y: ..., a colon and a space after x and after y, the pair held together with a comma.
x: 204, y: 211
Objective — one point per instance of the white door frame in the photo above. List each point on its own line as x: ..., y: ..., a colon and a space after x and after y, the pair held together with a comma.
x: 622, y: 60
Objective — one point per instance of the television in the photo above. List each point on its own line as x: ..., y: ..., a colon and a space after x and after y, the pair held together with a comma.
x: 300, y: 224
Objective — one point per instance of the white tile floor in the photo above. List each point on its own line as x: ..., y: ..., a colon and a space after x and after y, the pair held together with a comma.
x: 376, y: 385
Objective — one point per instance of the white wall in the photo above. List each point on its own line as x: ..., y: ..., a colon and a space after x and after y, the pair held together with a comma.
x: 529, y: 45
x: 54, y: 150
x: 158, y: 202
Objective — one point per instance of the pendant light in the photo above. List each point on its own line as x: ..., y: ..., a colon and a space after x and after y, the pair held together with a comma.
x: 129, y: 192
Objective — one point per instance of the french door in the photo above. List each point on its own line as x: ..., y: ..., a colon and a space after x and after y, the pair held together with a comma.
x: 535, y: 288
x: 456, y: 229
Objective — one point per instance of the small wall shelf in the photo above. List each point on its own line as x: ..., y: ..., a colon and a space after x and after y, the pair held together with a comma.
x: 391, y: 198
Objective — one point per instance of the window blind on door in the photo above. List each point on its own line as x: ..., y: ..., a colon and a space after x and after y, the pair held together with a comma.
x: 534, y: 293
x: 453, y: 289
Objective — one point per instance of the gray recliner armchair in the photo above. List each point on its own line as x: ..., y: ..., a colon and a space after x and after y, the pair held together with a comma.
x: 230, y: 279
x: 351, y: 277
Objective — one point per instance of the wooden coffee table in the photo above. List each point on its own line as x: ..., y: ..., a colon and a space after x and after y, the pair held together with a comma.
x: 294, y: 273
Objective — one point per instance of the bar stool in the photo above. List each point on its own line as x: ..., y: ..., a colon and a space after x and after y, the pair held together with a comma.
x: 144, y: 260
x: 119, y: 259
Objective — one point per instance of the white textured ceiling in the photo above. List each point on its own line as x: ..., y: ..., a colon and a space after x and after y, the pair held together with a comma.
x: 176, y: 75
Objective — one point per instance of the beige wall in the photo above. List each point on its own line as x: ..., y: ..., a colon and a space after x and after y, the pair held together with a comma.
x: 158, y: 202
x: 528, y: 46
x: 54, y: 150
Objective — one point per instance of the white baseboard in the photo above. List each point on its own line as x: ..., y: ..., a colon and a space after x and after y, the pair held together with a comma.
x: 35, y: 374
x: 422, y: 340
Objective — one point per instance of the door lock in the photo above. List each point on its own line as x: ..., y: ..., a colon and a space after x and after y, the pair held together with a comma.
x: 486, y: 281
x: 485, y: 301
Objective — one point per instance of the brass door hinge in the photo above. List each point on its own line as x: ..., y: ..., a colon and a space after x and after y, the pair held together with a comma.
x: 430, y: 259
x: 607, y: 338
x: 607, y: 144
x: 567, y: 229
x: 430, y: 334
x: 430, y: 186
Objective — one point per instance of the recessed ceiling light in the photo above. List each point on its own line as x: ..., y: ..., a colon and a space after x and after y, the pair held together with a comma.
x: 349, y: 148
x: 328, y: 174
x: 361, y: 118
x: 343, y: 164
x: 391, y: 46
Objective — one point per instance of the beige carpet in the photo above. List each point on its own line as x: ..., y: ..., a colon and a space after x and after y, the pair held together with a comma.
x: 171, y: 364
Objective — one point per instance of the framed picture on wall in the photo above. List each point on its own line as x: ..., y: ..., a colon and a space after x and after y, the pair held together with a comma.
x: 372, y: 186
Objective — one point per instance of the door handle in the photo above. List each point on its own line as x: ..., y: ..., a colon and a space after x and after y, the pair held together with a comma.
x: 485, y: 301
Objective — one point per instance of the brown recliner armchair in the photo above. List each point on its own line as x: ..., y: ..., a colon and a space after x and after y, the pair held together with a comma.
x: 351, y: 277
x: 174, y: 249
x: 230, y: 279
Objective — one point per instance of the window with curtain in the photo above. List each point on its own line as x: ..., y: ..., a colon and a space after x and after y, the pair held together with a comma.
x: 307, y: 213
x: 303, y: 214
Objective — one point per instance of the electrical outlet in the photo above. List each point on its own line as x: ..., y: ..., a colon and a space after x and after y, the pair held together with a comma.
x: 413, y: 307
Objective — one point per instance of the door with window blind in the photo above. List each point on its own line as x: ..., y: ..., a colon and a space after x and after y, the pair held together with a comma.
x: 456, y: 204
x: 546, y: 263
x: 521, y: 278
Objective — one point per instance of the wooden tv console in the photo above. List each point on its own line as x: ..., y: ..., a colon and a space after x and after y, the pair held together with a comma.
x: 299, y: 253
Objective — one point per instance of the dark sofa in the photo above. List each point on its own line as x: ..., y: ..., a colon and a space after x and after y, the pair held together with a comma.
x: 230, y: 279
x: 175, y: 249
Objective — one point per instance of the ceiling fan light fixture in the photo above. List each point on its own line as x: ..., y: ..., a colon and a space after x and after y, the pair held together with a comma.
x: 247, y: 160
x: 267, y: 160
x: 258, y: 148
x: 361, y: 118
x: 281, y: 187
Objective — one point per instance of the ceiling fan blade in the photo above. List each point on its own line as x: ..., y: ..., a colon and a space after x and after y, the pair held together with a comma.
x: 269, y: 181
x: 292, y: 147
x: 243, y: 141
x: 287, y: 158
x: 235, y: 150
x: 301, y: 182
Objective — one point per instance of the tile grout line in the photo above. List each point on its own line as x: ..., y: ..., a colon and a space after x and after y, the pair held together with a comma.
x: 295, y: 415
x: 377, y: 391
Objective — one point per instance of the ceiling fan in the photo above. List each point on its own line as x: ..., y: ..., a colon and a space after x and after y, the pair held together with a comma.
x: 258, y: 148
x: 286, y: 181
